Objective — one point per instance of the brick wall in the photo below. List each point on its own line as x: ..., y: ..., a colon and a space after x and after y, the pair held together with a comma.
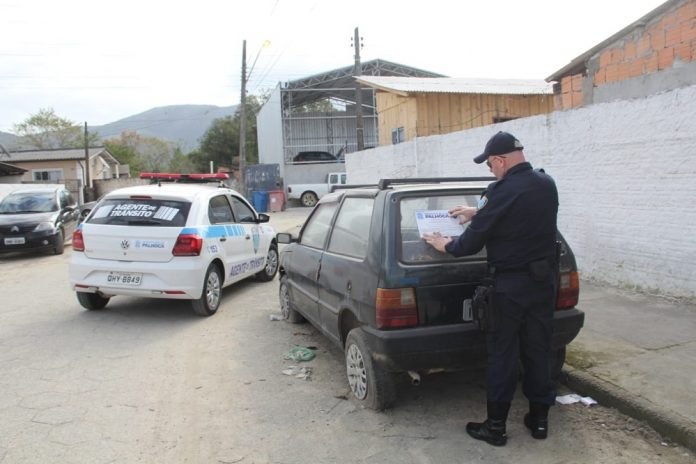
x: 656, y: 47
x: 626, y: 173
x: 666, y: 42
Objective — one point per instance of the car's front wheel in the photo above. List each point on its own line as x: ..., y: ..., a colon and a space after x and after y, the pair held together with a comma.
x: 309, y: 199
x: 59, y: 245
x: 209, y: 301
x: 286, y: 309
x: 269, y: 271
x: 92, y: 301
x: 370, y: 384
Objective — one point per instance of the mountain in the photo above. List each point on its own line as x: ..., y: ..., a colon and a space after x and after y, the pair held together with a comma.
x: 181, y: 124
x: 9, y: 141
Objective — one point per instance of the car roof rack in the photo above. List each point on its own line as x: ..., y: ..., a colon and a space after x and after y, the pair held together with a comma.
x: 386, y: 183
x: 159, y: 177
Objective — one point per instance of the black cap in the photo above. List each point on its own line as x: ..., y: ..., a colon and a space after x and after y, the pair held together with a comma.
x: 500, y: 144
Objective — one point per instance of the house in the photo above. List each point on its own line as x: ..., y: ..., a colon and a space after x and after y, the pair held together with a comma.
x: 654, y: 54
x: 410, y: 107
x: 10, y: 174
x: 67, y: 166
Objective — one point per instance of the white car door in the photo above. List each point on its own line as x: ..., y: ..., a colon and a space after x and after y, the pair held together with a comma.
x: 232, y: 238
x: 258, y: 237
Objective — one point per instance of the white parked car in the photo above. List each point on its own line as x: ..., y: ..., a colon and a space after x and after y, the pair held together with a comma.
x: 174, y: 240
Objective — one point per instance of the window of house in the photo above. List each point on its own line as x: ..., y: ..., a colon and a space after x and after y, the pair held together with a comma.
x: 398, y: 135
x: 47, y: 175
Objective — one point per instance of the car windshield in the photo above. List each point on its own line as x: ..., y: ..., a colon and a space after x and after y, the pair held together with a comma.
x: 29, y: 202
x: 141, y: 212
x: 428, y: 214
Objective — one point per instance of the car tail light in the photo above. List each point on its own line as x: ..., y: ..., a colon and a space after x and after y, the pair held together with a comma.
x: 78, y: 242
x: 188, y: 245
x: 568, y: 290
x: 396, y: 308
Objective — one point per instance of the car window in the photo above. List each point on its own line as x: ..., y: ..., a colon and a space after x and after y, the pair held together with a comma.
x: 413, y: 247
x: 352, y: 228
x: 219, y: 211
x: 317, y: 227
x: 333, y: 179
x: 242, y: 212
x: 29, y: 202
x: 140, y: 212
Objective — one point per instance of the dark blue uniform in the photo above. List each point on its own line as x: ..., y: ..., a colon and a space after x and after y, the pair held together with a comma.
x: 516, y: 221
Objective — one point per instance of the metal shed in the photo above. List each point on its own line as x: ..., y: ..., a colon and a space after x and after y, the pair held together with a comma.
x: 286, y: 128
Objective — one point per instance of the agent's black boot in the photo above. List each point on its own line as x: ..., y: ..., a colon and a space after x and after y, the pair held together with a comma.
x: 492, y: 430
x: 537, y: 420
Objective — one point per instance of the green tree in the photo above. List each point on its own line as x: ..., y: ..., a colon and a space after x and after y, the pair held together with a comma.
x: 220, y: 143
x: 142, y: 153
x: 46, y: 130
x: 182, y: 163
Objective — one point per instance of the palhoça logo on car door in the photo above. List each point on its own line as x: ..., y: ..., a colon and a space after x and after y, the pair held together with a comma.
x: 255, y: 238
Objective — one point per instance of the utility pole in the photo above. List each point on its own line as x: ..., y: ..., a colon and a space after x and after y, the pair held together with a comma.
x: 357, y: 71
x: 242, y: 122
x: 87, y: 190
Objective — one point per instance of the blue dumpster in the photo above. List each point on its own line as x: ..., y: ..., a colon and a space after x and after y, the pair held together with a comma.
x: 259, y: 201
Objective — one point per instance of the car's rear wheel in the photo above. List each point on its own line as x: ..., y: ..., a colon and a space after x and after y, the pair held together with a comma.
x: 208, y: 303
x: 92, y: 301
x: 286, y: 309
x: 269, y: 271
x: 309, y: 199
x: 59, y: 246
x: 371, y: 385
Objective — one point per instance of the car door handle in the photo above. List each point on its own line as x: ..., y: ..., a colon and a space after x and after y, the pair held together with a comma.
x: 248, y: 237
x: 223, y: 239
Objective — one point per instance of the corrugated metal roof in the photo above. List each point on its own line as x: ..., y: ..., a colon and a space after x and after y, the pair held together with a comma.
x: 57, y: 155
x: 458, y: 85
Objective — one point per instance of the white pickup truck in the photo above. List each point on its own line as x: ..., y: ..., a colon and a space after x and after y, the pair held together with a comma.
x: 309, y: 194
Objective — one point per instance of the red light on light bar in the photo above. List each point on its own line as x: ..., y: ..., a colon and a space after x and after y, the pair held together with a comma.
x: 177, y: 176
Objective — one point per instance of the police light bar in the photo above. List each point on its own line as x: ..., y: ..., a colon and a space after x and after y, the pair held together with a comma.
x: 175, y: 177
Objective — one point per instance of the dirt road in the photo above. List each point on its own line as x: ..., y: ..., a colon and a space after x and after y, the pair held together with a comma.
x: 149, y: 381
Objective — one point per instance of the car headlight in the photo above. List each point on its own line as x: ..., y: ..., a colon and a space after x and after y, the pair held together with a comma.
x: 43, y: 226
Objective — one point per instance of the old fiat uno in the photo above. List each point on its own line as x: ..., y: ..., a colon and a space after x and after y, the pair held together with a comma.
x: 171, y: 240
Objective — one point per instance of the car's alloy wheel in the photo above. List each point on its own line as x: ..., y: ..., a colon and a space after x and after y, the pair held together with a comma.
x: 369, y: 382
x: 269, y: 271
x: 357, y: 376
x: 209, y: 301
x: 286, y: 310
x: 308, y: 199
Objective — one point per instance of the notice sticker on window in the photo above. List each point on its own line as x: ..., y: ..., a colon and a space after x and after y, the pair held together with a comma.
x: 438, y: 220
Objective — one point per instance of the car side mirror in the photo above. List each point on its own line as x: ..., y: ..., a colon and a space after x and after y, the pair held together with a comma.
x: 263, y: 217
x: 285, y: 238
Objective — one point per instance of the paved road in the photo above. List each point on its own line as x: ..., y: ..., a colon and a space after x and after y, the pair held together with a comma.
x: 149, y: 381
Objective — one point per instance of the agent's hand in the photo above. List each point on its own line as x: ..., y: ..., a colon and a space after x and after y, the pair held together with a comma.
x: 465, y: 213
x: 437, y: 241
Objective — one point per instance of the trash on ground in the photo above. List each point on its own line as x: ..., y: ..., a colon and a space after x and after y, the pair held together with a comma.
x: 299, y: 353
x: 304, y: 373
x: 575, y: 398
x: 275, y: 317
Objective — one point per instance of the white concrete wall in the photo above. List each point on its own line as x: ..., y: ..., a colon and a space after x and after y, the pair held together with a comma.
x: 270, y: 131
x: 626, y: 175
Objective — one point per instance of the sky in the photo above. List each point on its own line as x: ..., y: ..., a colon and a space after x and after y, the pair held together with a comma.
x: 99, y: 61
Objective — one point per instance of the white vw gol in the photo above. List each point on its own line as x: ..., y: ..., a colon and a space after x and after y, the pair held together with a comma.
x: 178, y: 241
